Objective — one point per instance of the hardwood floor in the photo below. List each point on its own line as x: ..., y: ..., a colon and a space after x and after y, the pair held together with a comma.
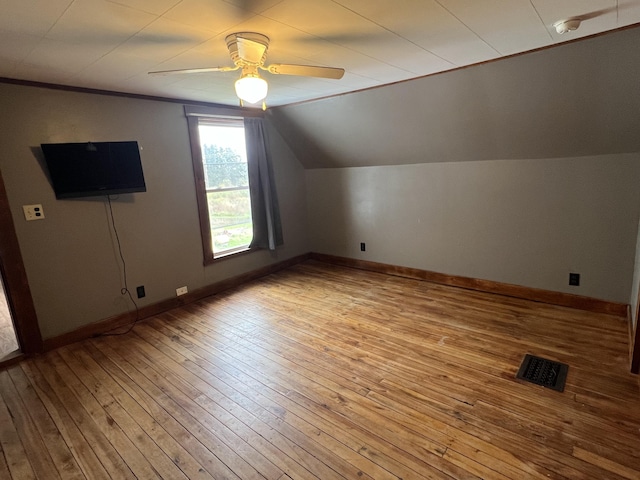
x: 8, y: 342
x: 327, y: 372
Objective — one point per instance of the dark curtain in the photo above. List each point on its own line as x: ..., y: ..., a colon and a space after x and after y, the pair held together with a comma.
x: 267, y: 228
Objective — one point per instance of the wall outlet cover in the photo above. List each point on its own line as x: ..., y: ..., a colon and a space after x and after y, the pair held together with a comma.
x: 181, y: 291
x: 33, y: 212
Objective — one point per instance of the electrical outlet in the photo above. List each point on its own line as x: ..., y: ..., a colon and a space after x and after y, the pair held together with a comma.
x: 33, y: 212
x: 140, y: 291
x: 181, y: 291
x: 574, y: 279
x: 362, y: 247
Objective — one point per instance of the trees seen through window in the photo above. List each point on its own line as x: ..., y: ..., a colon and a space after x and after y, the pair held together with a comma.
x: 224, y: 161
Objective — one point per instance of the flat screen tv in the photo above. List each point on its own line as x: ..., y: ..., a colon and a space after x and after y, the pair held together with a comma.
x: 93, y: 169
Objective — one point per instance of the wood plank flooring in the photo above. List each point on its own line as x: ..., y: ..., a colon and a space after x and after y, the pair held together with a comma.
x: 330, y: 373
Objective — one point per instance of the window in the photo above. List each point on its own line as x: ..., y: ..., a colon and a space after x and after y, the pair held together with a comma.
x: 235, y: 187
x: 224, y: 161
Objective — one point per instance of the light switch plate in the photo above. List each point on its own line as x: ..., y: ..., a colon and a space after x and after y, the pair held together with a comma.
x: 33, y: 212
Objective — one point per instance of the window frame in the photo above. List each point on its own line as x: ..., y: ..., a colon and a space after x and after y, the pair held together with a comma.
x: 194, y: 114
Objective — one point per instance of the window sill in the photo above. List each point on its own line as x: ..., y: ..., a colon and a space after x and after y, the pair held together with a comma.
x: 231, y: 254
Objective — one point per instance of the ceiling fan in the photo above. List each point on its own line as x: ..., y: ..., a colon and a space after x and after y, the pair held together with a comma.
x: 248, y: 52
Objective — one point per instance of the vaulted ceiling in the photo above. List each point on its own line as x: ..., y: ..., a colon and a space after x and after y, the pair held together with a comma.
x: 111, y: 45
x: 576, y: 100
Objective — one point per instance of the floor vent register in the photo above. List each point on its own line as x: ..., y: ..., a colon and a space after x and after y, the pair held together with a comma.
x: 543, y: 372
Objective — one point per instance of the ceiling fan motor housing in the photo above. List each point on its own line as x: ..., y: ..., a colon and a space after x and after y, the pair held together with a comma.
x: 243, y: 54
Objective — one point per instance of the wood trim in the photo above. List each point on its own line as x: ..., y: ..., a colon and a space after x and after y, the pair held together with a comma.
x: 11, y: 359
x: 16, y: 284
x: 538, y: 295
x: 239, y: 111
x: 634, y: 341
x: 125, y: 319
x: 219, y: 111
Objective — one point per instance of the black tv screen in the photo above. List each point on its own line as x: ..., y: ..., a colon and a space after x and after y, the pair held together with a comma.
x: 92, y: 169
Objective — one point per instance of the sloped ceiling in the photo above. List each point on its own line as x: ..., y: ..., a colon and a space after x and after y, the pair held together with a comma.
x: 112, y: 44
x: 576, y: 99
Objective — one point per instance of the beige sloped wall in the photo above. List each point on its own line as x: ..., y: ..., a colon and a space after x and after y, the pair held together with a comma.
x: 573, y: 100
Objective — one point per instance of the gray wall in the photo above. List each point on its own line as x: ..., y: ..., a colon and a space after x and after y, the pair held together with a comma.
x: 519, y: 170
x: 70, y: 256
x: 516, y: 171
x: 524, y: 222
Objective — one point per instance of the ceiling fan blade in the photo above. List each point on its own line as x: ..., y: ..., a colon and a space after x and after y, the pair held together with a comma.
x: 194, y: 70
x: 596, y: 13
x: 305, y: 71
x: 251, y: 51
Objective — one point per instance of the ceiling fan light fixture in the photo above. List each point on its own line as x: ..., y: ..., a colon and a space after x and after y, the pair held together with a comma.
x: 251, y: 88
x: 248, y: 51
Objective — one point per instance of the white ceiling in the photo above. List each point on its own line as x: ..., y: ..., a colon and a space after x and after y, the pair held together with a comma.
x: 111, y: 45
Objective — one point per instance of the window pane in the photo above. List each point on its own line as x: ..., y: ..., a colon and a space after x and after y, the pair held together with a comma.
x: 229, y: 208
x: 230, y: 219
x: 223, y: 167
x: 224, y: 159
